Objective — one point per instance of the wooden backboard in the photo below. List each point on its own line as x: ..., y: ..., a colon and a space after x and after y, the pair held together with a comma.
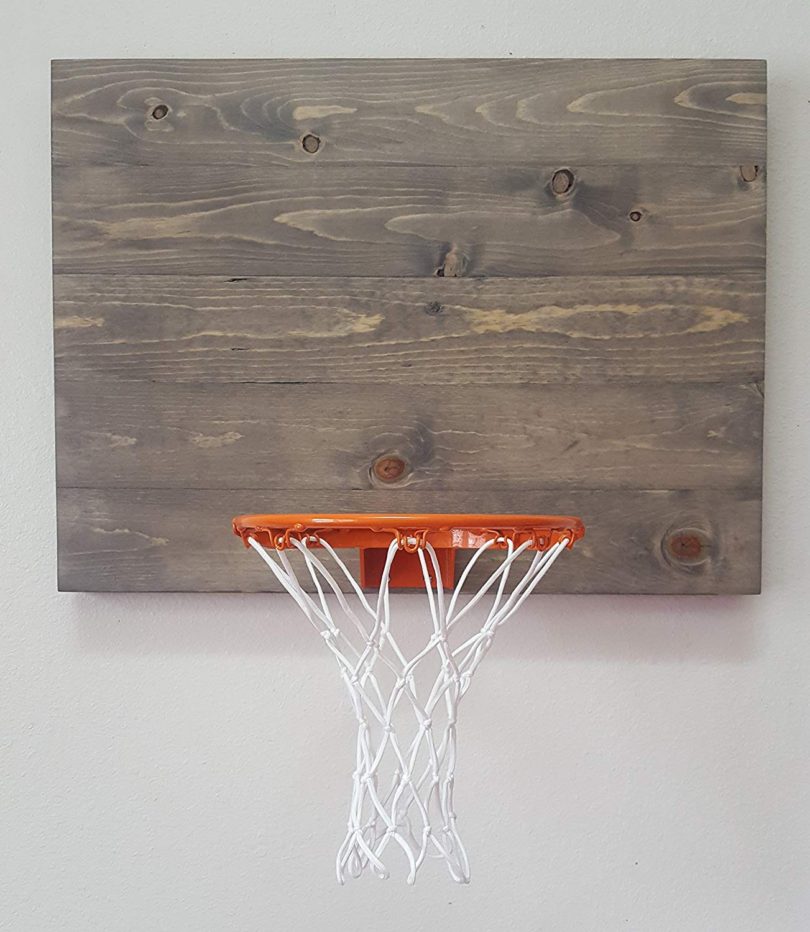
x: 506, y: 286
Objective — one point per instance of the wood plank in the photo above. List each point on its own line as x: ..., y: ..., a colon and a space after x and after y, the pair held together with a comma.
x: 441, y: 330
x: 420, y: 111
x: 307, y: 436
x: 417, y: 221
x: 158, y: 540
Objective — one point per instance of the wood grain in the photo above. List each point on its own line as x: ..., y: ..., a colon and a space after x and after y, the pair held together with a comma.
x: 166, y: 435
x: 147, y: 539
x: 528, y: 285
x: 410, y: 331
x: 393, y: 221
x: 440, y: 112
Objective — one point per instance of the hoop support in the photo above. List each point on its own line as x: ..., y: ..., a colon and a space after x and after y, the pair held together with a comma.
x: 372, y: 535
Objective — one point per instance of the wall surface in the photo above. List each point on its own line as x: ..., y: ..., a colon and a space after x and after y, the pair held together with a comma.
x: 181, y: 762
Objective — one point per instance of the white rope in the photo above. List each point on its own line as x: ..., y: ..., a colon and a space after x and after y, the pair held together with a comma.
x: 402, y: 786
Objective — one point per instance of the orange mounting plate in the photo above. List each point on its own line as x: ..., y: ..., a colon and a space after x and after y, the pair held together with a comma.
x: 372, y: 535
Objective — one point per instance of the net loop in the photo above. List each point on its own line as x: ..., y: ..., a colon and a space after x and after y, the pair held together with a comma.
x: 411, y: 541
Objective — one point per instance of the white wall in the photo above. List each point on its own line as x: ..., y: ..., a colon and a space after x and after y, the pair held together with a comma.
x: 180, y: 762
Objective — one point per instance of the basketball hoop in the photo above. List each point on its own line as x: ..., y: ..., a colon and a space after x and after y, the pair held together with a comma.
x: 402, y: 789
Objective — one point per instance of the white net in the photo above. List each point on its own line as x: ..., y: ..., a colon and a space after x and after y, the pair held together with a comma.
x: 406, y: 706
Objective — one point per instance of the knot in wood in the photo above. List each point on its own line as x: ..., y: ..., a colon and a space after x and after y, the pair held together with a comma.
x: 453, y: 265
x: 562, y: 181
x: 389, y: 468
x: 687, y: 546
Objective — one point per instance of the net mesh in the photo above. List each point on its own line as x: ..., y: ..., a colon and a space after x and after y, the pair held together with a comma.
x: 405, y: 699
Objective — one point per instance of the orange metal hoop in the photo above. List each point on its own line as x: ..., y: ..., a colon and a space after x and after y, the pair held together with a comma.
x: 372, y: 534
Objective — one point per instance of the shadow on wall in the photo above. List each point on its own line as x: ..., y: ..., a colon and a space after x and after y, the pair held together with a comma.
x: 646, y: 629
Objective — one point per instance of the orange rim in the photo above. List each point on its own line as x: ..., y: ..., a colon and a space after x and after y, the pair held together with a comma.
x: 411, y: 531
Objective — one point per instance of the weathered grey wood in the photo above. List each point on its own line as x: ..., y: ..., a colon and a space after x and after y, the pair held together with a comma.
x: 420, y: 111
x: 416, y: 221
x: 540, y: 284
x: 306, y: 436
x: 136, y: 539
x: 443, y: 330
